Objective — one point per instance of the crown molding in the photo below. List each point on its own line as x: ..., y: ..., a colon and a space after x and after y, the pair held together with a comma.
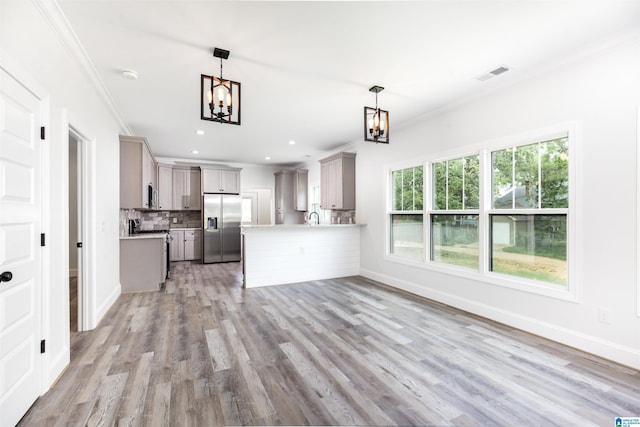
x: 51, y: 11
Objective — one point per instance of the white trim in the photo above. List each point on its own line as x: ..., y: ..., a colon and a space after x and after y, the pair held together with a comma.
x: 61, y: 26
x: 105, y: 306
x: 621, y: 354
x: 86, y: 158
x: 638, y: 212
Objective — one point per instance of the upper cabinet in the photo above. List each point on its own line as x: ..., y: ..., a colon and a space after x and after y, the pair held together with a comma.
x: 300, y: 190
x: 338, y: 182
x: 165, y: 187
x: 186, y: 189
x: 291, y: 190
x: 284, y: 190
x: 138, y: 189
x: 288, y: 191
x: 220, y: 180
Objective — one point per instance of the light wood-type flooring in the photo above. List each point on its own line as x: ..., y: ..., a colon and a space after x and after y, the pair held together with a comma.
x: 205, y: 352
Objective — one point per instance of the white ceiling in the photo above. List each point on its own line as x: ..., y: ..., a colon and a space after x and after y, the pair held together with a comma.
x: 306, y: 67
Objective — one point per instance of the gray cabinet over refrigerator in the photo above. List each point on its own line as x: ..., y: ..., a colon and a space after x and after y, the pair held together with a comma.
x: 221, y: 228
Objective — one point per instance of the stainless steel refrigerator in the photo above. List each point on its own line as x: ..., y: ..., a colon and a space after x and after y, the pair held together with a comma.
x: 221, y: 228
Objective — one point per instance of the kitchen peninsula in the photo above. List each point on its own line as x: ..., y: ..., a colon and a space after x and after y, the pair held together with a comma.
x: 279, y: 254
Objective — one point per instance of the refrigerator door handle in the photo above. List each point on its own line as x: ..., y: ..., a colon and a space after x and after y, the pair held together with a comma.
x: 212, y: 223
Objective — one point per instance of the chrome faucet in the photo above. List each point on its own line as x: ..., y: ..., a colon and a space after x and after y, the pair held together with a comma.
x: 317, y: 217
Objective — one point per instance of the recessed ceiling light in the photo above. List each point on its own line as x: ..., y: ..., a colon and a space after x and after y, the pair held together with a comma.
x: 267, y: 158
x: 129, y: 74
x: 200, y: 132
x: 292, y: 142
x: 194, y: 151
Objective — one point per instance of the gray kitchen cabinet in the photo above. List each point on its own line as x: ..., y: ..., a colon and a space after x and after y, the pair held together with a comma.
x: 338, y: 182
x: 141, y: 264
x: 186, y: 245
x: 192, y: 245
x: 300, y: 190
x: 220, y: 180
x: 138, y: 189
x: 165, y: 187
x: 176, y: 246
x: 285, y: 198
x: 186, y: 189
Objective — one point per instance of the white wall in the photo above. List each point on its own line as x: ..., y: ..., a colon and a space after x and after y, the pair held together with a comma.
x: 29, y: 43
x: 601, y: 92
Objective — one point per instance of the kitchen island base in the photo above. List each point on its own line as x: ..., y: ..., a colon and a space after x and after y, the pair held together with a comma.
x: 141, y: 263
x: 280, y: 254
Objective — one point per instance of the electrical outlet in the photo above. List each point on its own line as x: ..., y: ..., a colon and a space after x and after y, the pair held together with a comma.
x: 175, y: 220
x: 604, y: 315
x: 301, y: 250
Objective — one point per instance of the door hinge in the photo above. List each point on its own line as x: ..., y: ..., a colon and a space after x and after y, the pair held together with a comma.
x: 79, y: 245
x: 42, y: 239
x: 42, y: 346
x: 42, y: 132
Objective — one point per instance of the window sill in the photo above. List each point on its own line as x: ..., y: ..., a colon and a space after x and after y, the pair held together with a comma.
x: 565, y: 293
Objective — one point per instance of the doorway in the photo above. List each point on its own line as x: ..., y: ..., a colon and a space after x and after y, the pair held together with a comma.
x: 256, y: 206
x: 77, y: 210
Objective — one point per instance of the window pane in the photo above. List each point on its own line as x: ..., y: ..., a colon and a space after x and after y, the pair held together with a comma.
x: 471, y: 182
x: 526, y: 176
x: 530, y: 246
x: 554, y: 158
x: 455, y: 184
x: 418, y: 187
x: 502, y: 178
x: 440, y: 186
x: 407, y: 236
x: 531, y: 176
x: 397, y: 190
x: 454, y: 240
x: 407, y: 189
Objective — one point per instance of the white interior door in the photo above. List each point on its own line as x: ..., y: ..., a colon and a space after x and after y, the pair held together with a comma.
x: 20, y: 258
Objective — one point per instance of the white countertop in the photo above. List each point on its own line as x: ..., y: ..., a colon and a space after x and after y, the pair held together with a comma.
x: 158, y: 235
x: 302, y: 226
x: 185, y: 228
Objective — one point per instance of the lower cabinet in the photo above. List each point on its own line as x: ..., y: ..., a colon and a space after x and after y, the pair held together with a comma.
x: 186, y: 245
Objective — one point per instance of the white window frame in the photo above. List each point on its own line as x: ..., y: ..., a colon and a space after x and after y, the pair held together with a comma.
x: 430, y: 211
x: 569, y: 292
x: 391, y: 211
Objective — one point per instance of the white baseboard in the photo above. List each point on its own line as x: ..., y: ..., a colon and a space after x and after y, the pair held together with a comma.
x: 102, y: 310
x: 56, y: 367
x: 609, y: 350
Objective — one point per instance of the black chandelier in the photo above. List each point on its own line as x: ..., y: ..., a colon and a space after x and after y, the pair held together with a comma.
x: 376, y: 121
x: 219, y: 98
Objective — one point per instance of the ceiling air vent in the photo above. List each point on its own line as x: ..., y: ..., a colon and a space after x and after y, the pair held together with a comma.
x: 501, y: 69
x: 495, y: 72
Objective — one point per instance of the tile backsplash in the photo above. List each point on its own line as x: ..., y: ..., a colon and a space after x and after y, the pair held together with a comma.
x: 185, y: 219
x: 160, y: 220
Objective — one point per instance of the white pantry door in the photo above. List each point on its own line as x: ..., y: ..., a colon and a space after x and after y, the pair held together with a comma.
x: 20, y: 212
